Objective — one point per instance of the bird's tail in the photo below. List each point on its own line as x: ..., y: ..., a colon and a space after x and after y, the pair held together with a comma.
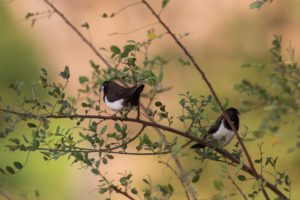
x: 136, y: 95
x: 198, y: 146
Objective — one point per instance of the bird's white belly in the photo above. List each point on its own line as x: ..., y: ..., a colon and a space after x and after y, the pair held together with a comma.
x: 223, y: 135
x: 115, y: 105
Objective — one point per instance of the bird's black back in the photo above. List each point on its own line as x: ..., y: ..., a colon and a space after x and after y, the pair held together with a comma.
x: 114, y: 92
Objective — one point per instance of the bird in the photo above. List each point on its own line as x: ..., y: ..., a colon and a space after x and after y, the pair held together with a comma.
x: 117, y: 97
x: 221, y: 130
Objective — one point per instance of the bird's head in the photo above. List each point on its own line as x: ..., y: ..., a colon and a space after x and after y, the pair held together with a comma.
x: 104, y: 85
x: 233, y: 111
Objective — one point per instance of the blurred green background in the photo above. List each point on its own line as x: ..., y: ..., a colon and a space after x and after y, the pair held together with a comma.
x: 227, y: 36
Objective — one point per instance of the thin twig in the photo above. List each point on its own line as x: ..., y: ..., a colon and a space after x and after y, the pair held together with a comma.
x: 117, y: 190
x: 176, y: 160
x: 237, y: 187
x: 5, y: 196
x: 85, y: 150
x: 195, y: 64
x: 77, y: 32
x: 177, y: 175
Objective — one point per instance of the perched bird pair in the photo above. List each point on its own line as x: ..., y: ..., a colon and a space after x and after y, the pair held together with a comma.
x: 117, y: 98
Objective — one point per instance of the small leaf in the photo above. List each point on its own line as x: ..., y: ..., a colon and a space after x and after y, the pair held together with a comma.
x: 104, y: 160
x: 83, y: 79
x: 195, y: 178
x: 85, y: 25
x: 151, y: 35
x: 257, y: 5
x: 95, y: 171
x: 31, y: 125
x: 10, y: 170
x: 44, y: 71
x: 37, y: 193
x: 241, y: 177
x: 134, y: 191
x: 18, y: 165
x: 115, y: 49
x: 103, y: 130
x: 164, y: 3
x: 158, y: 104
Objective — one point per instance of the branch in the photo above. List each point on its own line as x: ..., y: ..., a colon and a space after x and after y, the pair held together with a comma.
x: 223, y: 152
x: 117, y: 190
x: 195, y: 64
x: 5, y: 196
x: 177, y: 175
x: 237, y: 187
x: 84, y: 150
x: 77, y: 32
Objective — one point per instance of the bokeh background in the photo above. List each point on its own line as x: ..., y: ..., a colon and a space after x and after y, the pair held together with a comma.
x: 223, y: 36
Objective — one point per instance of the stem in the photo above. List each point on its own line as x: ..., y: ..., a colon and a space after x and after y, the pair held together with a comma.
x: 5, y: 196
x: 179, y: 178
x: 237, y: 187
x: 77, y: 32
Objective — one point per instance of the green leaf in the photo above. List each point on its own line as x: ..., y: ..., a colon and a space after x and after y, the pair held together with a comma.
x: 103, y: 190
x: 18, y: 165
x: 10, y: 170
x: 103, y: 130
x: 176, y: 149
x: 218, y: 185
x: 95, y: 171
x: 104, y: 160
x: 195, y: 178
x: 158, y: 104
x: 37, y: 193
x: 2, y: 171
x: 257, y: 5
x: 83, y: 79
x: 241, y: 177
x: 147, y: 182
x: 164, y: 3
x: 44, y: 71
x: 66, y: 73
x: 115, y: 49
x: 85, y: 25
x: 31, y: 125
x: 118, y: 127
x: 134, y: 191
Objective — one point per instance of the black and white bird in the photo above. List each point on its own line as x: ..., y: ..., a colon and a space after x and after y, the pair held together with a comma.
x: 117, y: 97
x: 221, y: 130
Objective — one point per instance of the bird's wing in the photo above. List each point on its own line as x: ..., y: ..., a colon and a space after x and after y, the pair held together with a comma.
x: 214, y: 128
